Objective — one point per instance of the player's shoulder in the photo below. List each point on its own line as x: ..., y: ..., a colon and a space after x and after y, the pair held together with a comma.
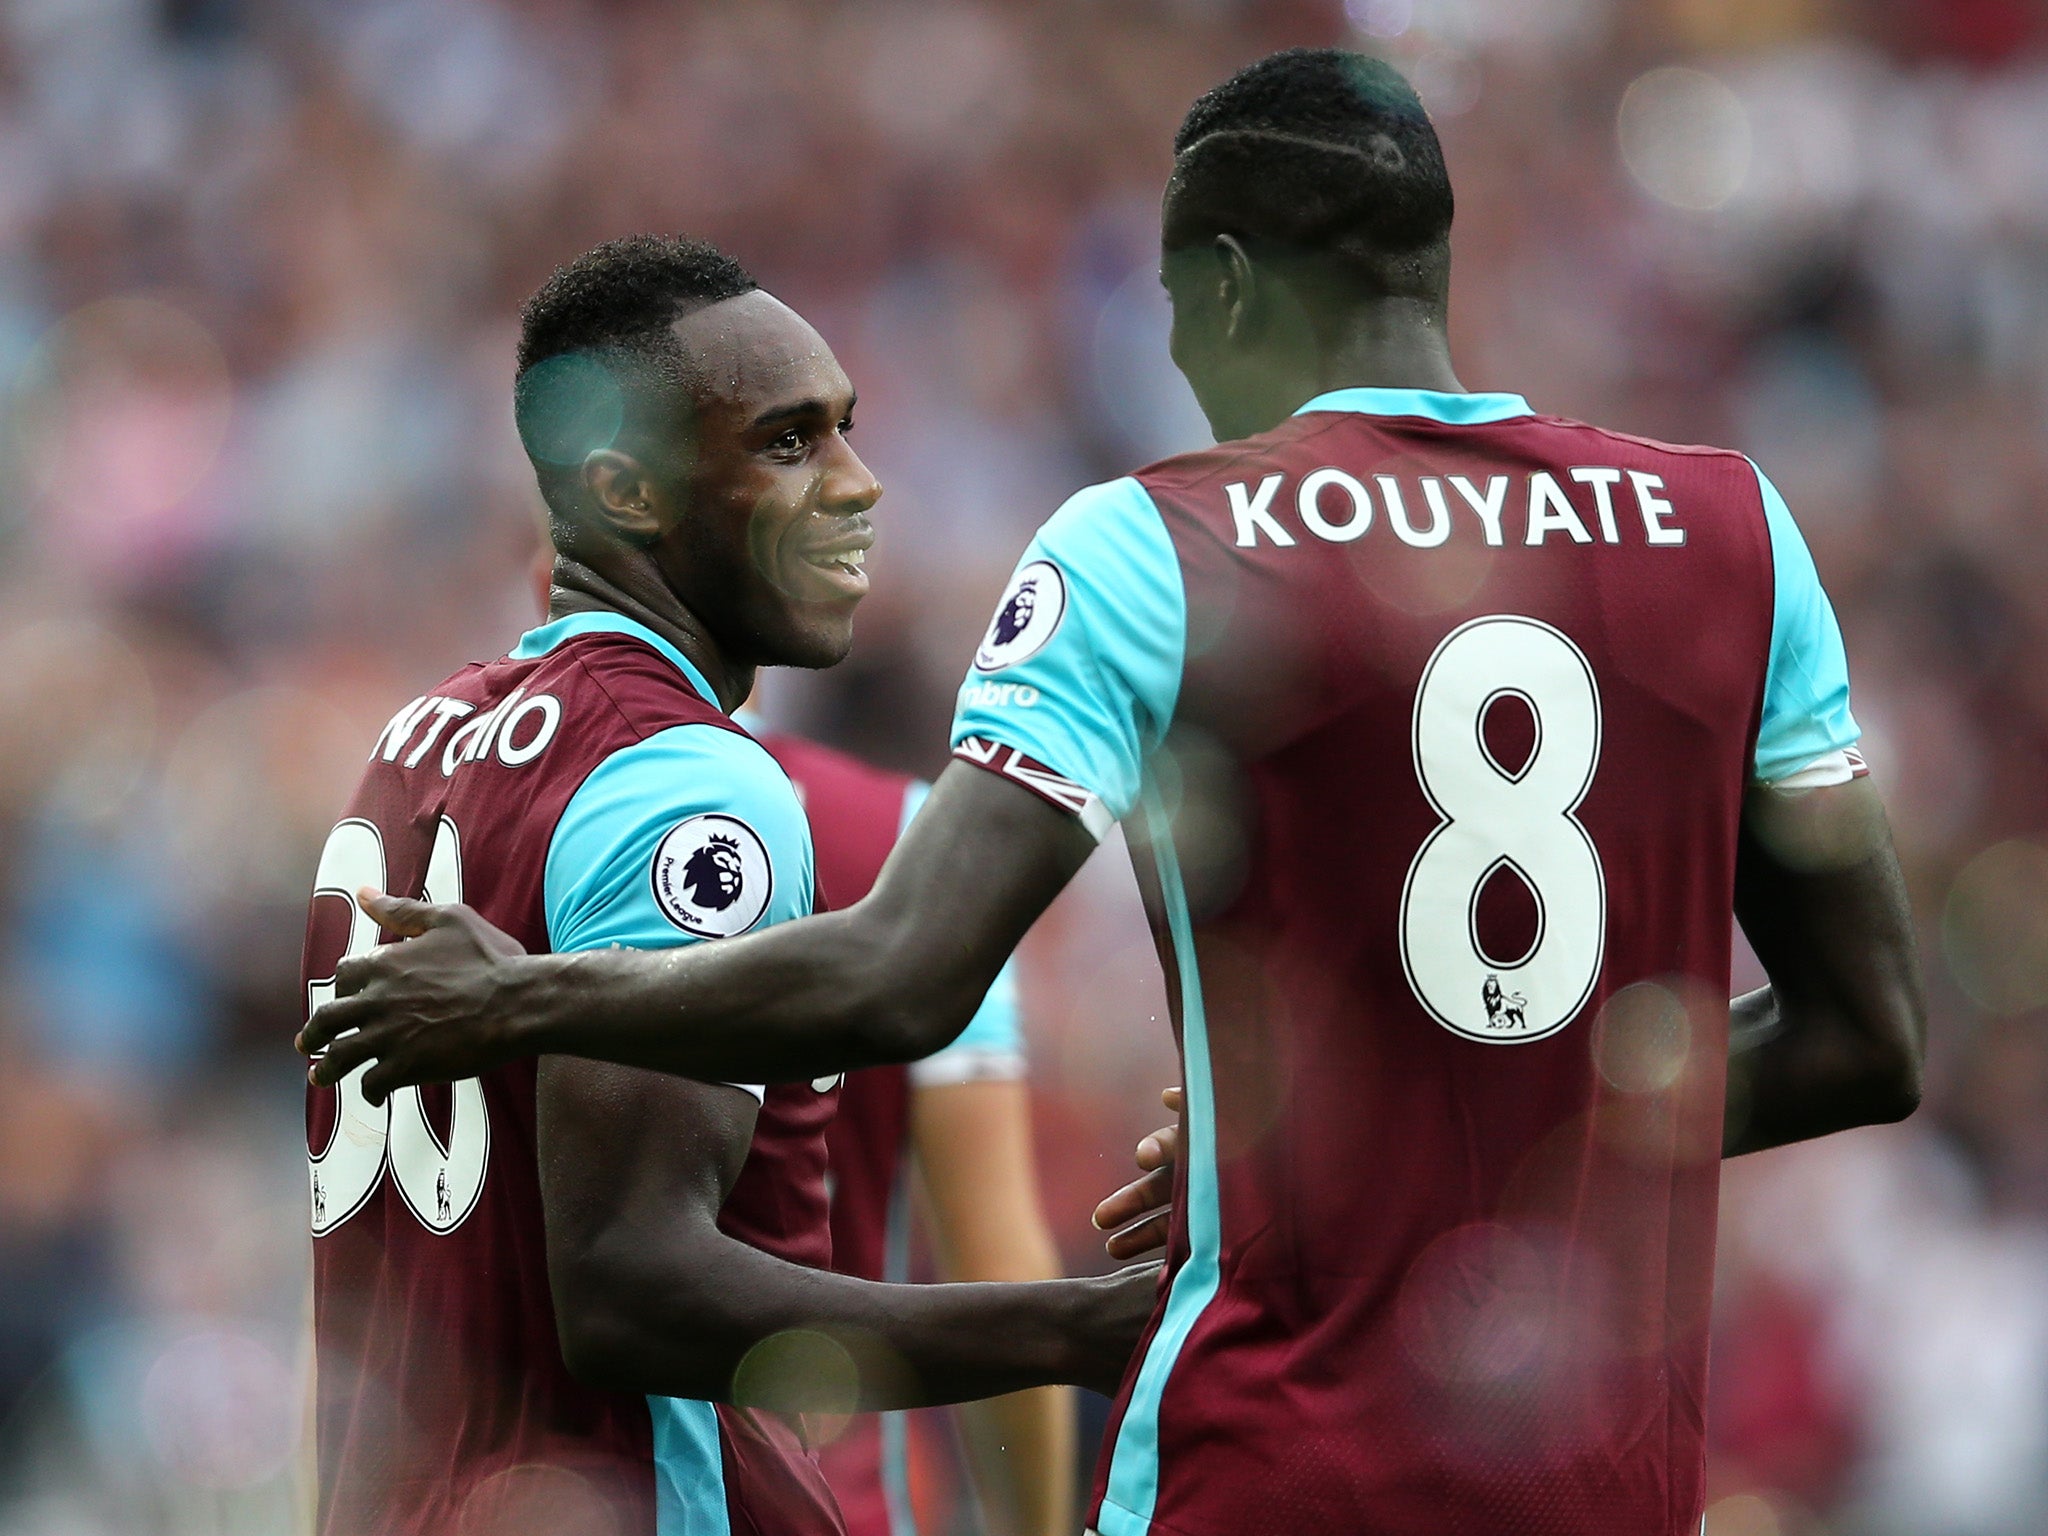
x: 1703, y: 454
x: 621, y: 673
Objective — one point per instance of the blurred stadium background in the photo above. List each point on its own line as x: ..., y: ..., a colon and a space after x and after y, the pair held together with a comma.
x: 259, y: 267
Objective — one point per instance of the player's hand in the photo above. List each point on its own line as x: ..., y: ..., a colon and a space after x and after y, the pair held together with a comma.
x: 1137, y: 1216
x: 427, y: 1010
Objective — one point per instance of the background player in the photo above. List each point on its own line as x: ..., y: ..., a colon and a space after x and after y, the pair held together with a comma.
x: 530, y: 1290
x: 1455, y: 732
x: 962, y: 1117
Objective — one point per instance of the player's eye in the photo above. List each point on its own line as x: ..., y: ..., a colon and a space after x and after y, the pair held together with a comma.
x: 791, y: 441
x: 845, y: 425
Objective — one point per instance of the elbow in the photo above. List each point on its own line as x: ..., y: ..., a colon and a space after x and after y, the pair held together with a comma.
x: 604, y: 1333
x: 1899, y: 1093
x: 597, y: 1347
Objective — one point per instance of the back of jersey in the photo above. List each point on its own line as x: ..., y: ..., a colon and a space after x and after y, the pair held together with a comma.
x: 1438, y: 717
x: 583, y: 792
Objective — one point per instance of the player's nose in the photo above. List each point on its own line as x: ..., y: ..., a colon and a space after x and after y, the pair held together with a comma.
x: 849, y: 485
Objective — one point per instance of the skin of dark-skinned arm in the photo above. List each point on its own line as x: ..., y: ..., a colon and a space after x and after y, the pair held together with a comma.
x: 890, y: 979
x: 1839, y: 1036
x: 651, y: 1297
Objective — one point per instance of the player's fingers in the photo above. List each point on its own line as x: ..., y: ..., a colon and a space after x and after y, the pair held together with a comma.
x: 1134, y: 1200
x: 1135, y: 1242
x: 1173, y: 1099
x: 342, y: 1058
x: 330, y: 1021
x: 400, y: 915
x: 381, y: 1079
x: 1159, y: 1150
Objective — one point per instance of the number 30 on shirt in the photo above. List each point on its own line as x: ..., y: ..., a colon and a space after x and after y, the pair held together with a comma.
x: 439, y: 1183
x: 1497, y: 819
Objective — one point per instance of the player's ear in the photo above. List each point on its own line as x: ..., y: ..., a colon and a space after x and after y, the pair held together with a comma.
x: 1237, y: 286
x: 622, y: 494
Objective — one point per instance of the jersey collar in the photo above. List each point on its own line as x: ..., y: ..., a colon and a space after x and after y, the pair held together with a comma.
x: 1434, y: 405
x: 538, y: 642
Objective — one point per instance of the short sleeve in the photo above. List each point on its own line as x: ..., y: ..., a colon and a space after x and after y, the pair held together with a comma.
x: 1807, y: 737
x: 692, y: 834
x: 991, y: 1047
x: 1075, y: 682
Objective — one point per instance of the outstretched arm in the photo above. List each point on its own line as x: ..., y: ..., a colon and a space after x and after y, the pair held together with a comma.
x: 651, y: 1297
x: 1838, y: 1037
x: 889, y: 979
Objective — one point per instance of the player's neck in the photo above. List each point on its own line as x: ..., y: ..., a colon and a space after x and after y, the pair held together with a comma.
x: 575, y: 588
x: 1386, y: 344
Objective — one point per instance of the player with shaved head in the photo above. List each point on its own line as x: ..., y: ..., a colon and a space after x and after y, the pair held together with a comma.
x: 1447, y: 735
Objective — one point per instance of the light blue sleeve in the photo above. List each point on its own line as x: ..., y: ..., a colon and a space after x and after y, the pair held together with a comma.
x: 1806, y: 691
x: 694, y: 833
x: 992, y: 1045
x: 1081, y: 666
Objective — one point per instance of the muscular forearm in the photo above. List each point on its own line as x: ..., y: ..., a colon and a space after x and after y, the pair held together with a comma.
x: 728, y: 1323
x: 799, y: 1001
x: 1793, y: 1076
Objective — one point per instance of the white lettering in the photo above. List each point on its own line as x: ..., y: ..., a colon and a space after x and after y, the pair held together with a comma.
x: 401, y: 726
x: 1439, y: 527
x: 1488, y: 508
x: 997, y: 695
x: 1251, y: 515
x: 462, y: 745
x: 1308, y: 502
x: 549, y: 708
x: 1603, y: 480
x: 1548, y: 510
x: 1654, y: 508
x: 444, y: 711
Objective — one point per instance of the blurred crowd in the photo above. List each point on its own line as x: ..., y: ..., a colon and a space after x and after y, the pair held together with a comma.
x: 260, y: 266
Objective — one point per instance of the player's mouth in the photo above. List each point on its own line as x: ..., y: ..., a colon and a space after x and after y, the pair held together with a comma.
x: 838, y: 565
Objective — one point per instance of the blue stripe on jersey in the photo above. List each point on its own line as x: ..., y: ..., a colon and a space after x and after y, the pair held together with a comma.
x: 538, y: 642
x: 1437, y: 405
x: 1132, y: 1491
x: 689, y: 1469
x: 1806, y: 690
x: 1093, y: 699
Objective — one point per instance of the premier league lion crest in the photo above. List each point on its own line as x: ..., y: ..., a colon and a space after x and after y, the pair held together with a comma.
x: 712, y: 877
x: 1026, y: 618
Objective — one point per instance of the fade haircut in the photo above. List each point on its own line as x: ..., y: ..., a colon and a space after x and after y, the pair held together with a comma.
x: 1317, y: 152
x: 596, y: 356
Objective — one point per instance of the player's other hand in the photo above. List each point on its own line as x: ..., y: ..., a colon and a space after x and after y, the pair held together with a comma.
x: 1137, y: 1216
x: 425, y: 1010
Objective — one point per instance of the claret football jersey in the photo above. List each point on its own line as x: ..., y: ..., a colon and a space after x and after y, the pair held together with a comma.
x: 584, y: 792
x: 1430, y: 720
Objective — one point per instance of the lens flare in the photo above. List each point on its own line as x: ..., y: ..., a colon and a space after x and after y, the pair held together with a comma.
x: 1994, y: 928
x: 1685, y: 137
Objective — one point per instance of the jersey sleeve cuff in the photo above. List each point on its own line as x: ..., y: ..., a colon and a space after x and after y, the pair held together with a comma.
x: 1050, y: 786
x: 1824, y: 772
x: 950, y: 1069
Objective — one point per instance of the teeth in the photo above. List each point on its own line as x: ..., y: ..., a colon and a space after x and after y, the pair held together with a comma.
x: 855, y: 558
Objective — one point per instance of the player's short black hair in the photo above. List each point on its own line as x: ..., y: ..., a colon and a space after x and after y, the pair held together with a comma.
x: 1317, y: 151
x: 595, y: 349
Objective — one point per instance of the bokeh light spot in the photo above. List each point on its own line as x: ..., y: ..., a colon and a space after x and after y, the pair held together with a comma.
x: 219, y: 1410
x: 1685, y: 137
x: 798, y: 1370
x: 1643, y: 1039
x: 1994, y: 928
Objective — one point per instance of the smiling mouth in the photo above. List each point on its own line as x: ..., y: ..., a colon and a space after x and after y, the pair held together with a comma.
x: 842, y: 567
